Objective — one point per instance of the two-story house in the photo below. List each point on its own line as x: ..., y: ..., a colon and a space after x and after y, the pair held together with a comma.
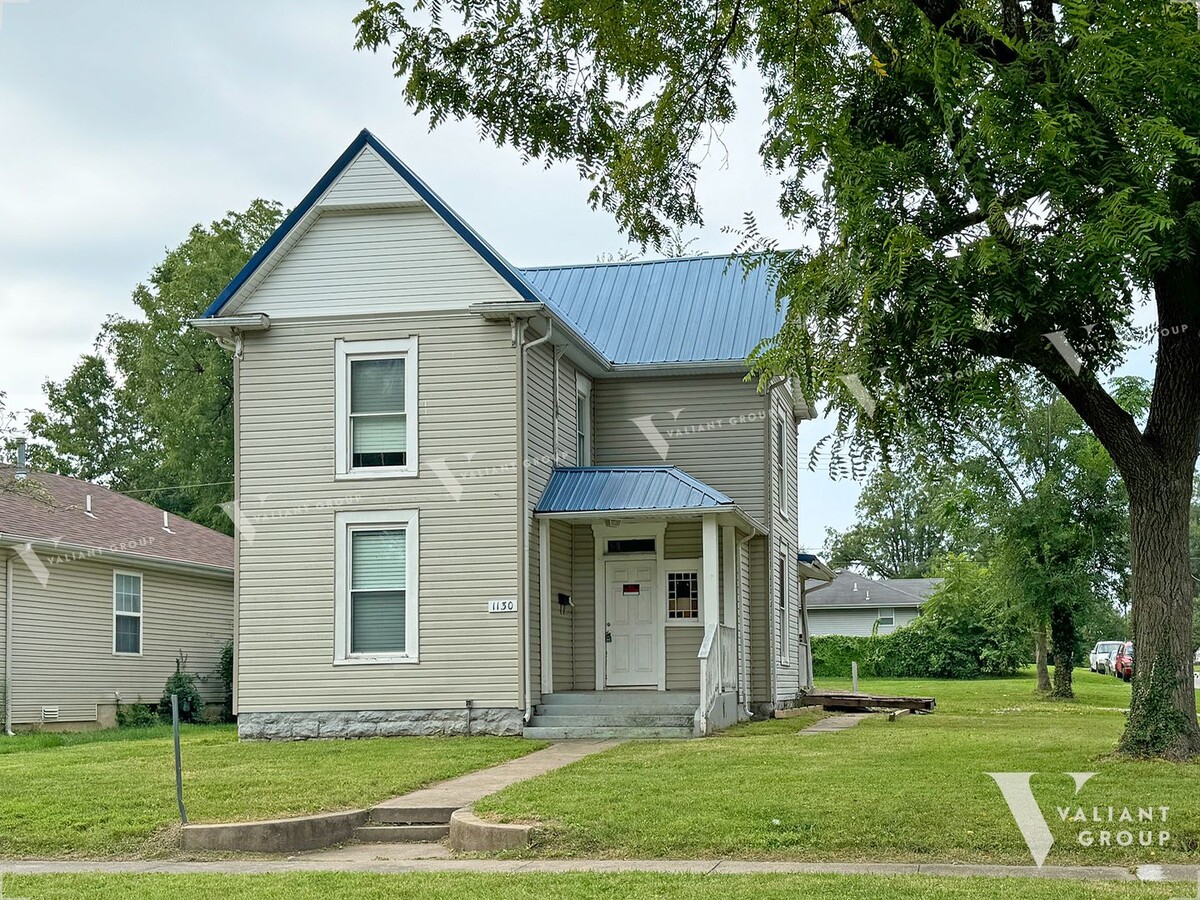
x: 476, y: 498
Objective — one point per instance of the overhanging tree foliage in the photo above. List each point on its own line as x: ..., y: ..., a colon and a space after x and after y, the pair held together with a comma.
x: 990, y: 172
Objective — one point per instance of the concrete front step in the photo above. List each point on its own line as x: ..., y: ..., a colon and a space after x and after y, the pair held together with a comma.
x: 575, y: 732
x: 412, y: 815
x: 559, y: 718
x: 400, y: 834
x: 643, y: 700
x: 610, y: 709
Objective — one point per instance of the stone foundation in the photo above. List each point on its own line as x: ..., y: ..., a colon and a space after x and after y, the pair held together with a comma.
x: 302, y: 726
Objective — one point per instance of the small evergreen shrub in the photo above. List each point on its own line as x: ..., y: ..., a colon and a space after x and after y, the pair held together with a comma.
x: 136, y: 715
x: 191, y: 704
x: 225, y: 668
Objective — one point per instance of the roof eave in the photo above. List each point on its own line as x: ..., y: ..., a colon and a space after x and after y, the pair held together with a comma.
x: 58, y: 548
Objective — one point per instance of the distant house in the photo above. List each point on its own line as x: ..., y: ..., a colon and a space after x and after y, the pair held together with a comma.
x: 858, y: 605
x: 101, y: 594
x: 493, y: 499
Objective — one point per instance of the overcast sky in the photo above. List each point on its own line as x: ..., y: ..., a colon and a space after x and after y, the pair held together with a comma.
x: 126, y: 123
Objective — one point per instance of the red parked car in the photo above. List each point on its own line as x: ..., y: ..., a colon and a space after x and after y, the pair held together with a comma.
x: 1123, y: 665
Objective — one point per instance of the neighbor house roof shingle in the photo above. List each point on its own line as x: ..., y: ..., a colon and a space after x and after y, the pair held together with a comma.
x: 852, y: 590
x: 52, y: 508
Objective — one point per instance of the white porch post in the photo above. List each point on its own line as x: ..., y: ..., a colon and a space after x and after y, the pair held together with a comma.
x: 545, y: 623
x: 710, y: 565
x: 808, y: 674
x: 729, y: 587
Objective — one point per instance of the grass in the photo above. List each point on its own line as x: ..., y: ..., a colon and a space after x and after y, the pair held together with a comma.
x: 303, y: 886
x: 113, y: 792
x: 913, y: 790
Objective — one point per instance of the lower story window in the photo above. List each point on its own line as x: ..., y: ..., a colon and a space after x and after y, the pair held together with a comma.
x: 377, y: 602
x: 683, y: 596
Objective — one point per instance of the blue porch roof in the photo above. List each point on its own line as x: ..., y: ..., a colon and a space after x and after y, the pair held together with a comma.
x: 627, y: 488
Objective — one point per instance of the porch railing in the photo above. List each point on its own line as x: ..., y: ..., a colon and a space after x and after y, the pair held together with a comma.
x: 718, y: 669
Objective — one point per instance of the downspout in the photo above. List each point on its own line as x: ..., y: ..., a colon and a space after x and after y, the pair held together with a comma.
x: 744, y: 548
x: 8, y: 643
x: 523, y: 493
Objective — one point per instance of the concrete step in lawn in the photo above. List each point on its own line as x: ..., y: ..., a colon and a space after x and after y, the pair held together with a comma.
x: 584, y: 732
x: 400, y: 834
x: 412, y: 815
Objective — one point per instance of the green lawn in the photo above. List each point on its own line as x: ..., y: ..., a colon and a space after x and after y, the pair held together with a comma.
x: 113, y: 792
x: 916, y: 789
x: 311, y: 886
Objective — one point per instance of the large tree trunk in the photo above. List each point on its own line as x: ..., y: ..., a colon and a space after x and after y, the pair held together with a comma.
x: 1062, y: 643
x: 1162, y: 711
x: 1043, y: 670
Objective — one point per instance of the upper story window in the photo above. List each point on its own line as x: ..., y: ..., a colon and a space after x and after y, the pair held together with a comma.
x: 781, y: 479
x: 127, y: 613
x: 376, y: 408
x: 583, y: 421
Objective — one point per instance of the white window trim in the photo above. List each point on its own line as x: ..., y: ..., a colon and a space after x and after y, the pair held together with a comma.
x: 683, y: 565
x: 346, y: 522
x: 785, y: 611
x: 344, y: 352
x: 781, y: 466
x: 139, y: 614
x: 583, y: 388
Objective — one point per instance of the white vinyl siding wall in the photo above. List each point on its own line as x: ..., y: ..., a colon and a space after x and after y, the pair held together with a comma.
x: 855, y: 622
x: 63, y: 637
x: 465, y: 492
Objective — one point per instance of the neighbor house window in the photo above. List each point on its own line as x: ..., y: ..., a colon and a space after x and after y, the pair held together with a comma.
x: 887, y: 617
x: 583, y: 421
x: 683, y: 596
x: 127, y: 613
x: 376, y: 408
x: 376, y: 618
x: 785, y: 617
x: 781, y: 497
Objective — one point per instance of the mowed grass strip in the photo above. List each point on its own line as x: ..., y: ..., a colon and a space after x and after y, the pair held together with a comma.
x: 113, y: 793
x: 347, y: 886
x: 916, y: 789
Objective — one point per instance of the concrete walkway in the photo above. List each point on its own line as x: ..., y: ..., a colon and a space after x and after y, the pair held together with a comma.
x: 835, y: 723
x: 380, y: 859
x: 467, y: 789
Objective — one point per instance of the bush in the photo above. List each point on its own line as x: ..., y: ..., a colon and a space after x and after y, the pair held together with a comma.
x: 225, y: 668
x: 963, y: 632
x: 191, y: 704
x: 136, y: 715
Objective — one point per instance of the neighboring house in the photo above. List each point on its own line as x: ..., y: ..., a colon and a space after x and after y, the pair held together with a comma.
x: 857, y: 605
x: 470, y: 495
x: 102, y: 593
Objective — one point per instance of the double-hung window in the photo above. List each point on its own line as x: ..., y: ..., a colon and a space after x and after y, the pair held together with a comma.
x: 785, y: 614
x: 886, y: 617
x: 781, y: 480
x: 127, y: 613
x: 583, y: 421
x: 376, y: 615
x: 376, y: 400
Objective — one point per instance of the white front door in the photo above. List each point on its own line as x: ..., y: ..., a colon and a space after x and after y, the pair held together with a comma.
x: 633, y: 632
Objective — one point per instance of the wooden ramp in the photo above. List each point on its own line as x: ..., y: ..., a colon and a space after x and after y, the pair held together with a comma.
x: 844, y: 701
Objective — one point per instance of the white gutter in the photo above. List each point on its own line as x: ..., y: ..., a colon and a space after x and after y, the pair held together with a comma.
x: 522, y: 452
x: 8, y: 644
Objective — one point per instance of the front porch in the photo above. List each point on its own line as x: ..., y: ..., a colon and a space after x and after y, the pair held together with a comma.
x: 652, y: 639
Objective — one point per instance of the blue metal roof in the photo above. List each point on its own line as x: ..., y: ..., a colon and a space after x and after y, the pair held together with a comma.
x: 625, y: 488
x: 687, y: 310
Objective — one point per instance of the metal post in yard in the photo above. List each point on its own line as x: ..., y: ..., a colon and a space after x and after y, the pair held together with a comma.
x: 178, y: 763
x: 853, y: 677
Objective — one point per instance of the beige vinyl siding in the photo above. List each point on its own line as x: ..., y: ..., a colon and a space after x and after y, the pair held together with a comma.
x: 791, y: 677
x: 683, y: 663
x: 63, y: 637
x: 562, y: 619
x: 855, y: 622
x: 716, y: 436
x: 382, y: 261
x: 744, y: 595
x: 761, y: 630
x: 782, y: 521
x: 468, y: 518
x: 583, y: 571
x: 368, y: 180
